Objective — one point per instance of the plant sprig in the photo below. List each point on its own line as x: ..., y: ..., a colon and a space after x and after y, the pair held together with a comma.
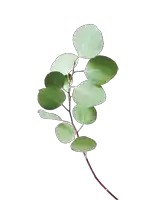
x: 88, y: 42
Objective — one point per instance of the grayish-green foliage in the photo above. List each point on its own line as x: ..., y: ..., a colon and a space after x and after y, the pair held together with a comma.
x: 88, y: 41
x: 66, y: 85
x: 83, y: 144
x: 54, y: 79
x: 84, y: 115
x: 65, y: 133
x: 64, y: 63
x: 88, y: 95
x: 46, y: 115
x: 101, y: 69
x: 51, y: 97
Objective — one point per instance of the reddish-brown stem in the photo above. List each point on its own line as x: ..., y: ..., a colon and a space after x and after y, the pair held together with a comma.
x: 97, y: 178
x: 86, y: 154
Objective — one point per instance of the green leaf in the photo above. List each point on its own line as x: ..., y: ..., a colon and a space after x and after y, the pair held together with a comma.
x: 66, y: 85
x: 83, y: 144
x: 64, y: 63
x: 84, y: 115
x: 46, y: 115
x: 88, y: 41
x: 65, y: 133
x: 54, y: 79
x: 88, y: 95
x: 51, y: 97
x: 101, y: 70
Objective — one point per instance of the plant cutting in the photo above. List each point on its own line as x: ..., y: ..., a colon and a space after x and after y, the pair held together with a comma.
x: 99, y: 70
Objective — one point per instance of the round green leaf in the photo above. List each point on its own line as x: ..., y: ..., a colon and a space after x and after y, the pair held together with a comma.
x: 83, y: 144
x: 65, y: 133
x: 54, y: 79
x: 101, y: 70
x: 51, y: 97
x: 84, y: 115
x: 64, y: 63
x: 46, y: 115
x: 88, y: 41
x: 88, y: 95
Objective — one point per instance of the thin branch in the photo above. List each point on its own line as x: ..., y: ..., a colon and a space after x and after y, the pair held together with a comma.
x: 65, y: 107
x: 79, y: 71
x: 97, y: 178
x: 80, y: 128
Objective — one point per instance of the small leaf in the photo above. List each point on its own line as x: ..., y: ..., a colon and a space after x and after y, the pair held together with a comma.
x: 101, y: 70
x: 84, y: 115
x: 83, y: 144
x: 88, y: 41
x: 65, y: 133
x: 54, y: 79
x: 64, y: 63
x: 46, y: 115
x: 66, y: 83
x: 51, y: 97
x: 88, y: 95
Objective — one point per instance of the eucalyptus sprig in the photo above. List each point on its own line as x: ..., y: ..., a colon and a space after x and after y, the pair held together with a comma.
x: 88, y: 42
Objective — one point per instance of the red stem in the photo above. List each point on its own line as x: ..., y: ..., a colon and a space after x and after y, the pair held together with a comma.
x: 85, y: 155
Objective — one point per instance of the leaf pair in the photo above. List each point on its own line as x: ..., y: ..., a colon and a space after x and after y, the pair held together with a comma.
x: 64, y: 64
x: 88, y: 42
x: 65, y: 134
x: 52, y: 96
x: 86, y: 95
